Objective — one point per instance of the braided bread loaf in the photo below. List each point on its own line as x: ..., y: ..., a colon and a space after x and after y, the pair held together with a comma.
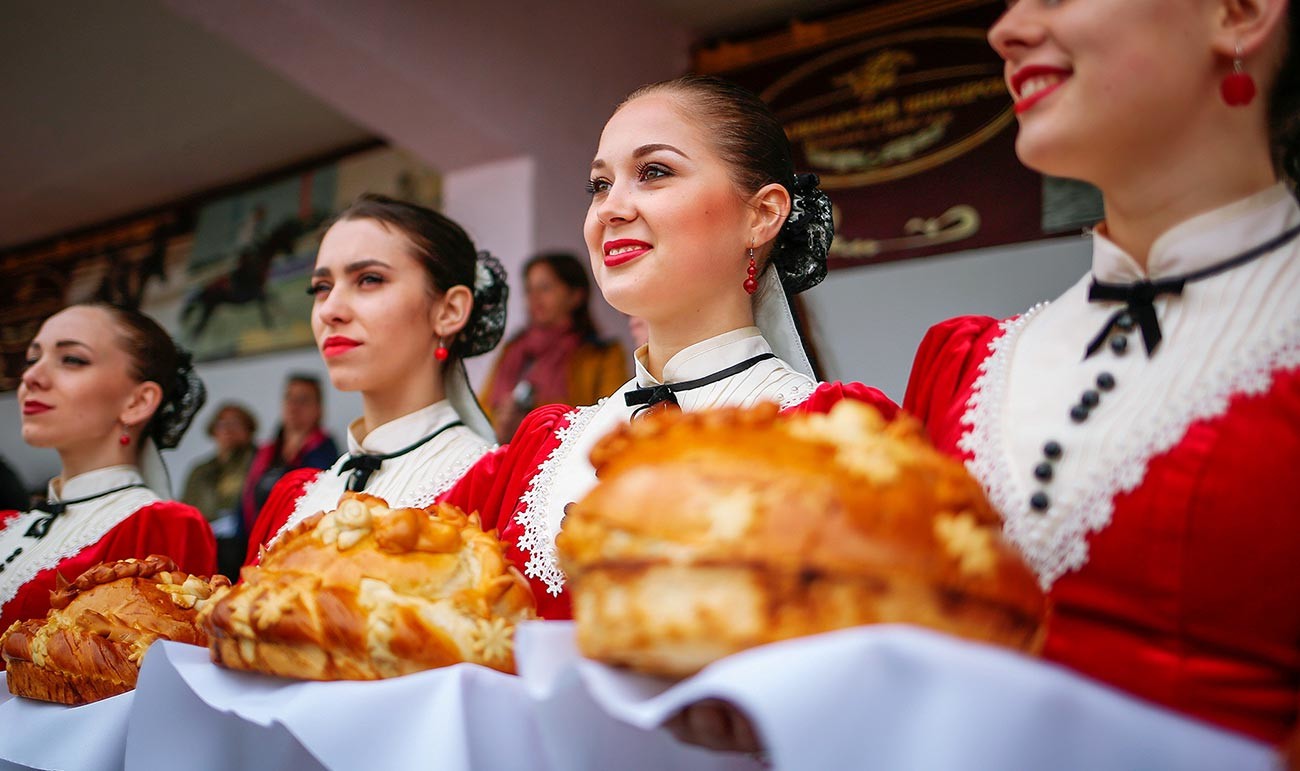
x: 90, y: 645
x: 366, y: 592
x: 713, y: 532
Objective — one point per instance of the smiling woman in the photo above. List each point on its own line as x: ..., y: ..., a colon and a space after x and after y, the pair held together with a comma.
x: 105, y: 387
x: 1119, y: 429
x: 400, y: 298
x: 699, y: 226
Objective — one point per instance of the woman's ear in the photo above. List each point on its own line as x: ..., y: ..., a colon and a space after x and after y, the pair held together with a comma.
x: 771, y: 207
x: 1250, y: 24
x: 141, y: 405
x: 451, y: 314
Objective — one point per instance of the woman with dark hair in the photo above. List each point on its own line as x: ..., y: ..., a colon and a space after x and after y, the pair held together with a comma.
x: 402, y: 297
x: 106, y: 388
x: 300, y: 442
x: 1139, y: 433
x: 559, y: 358
x: 698, y: 225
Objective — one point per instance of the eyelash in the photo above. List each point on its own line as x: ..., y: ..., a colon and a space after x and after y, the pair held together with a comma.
x: 601, y: 185
x: 323, y: 287
x: 74, y: 361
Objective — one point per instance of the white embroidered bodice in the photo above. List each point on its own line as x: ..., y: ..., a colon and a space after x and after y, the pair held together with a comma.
x: 415, y: 479
x: 1225, y: 335
x: 81, y: 526
x: 567, y: 474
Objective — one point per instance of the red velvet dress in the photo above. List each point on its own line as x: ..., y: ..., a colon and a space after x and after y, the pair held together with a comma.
x: 1171, y: 537
x: 521, y: 489
x: 164, y: 527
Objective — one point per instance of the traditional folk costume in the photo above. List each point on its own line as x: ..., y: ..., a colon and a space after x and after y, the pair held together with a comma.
x: 1139, y: 435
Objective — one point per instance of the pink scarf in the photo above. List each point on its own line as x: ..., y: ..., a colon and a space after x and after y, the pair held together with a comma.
x: 540, y: 356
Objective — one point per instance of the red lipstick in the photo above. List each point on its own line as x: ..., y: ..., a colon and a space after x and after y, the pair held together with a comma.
x: 337, y: 345
x: 33, y: 407
x: 1029, y: 72
x: 629, y: 249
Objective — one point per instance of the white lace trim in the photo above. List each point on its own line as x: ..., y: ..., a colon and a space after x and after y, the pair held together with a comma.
x: 1057, y: 544
x: 801, y: 393
x: 72, y: 533
x: 427, y: 494
x: 537, y: 539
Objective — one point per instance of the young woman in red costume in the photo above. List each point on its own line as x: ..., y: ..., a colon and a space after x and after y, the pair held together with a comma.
x: 401, y: 298
x: 106, y: 388
x: 699, y: 226
x: 1140, y: 432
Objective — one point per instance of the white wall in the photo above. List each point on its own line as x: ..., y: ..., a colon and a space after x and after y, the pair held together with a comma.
x: 870, y: 320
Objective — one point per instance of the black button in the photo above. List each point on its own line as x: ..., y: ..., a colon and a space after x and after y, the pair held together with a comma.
x: 1125, y: 322
x: 1043, y: 471
x: 1105, y: 381
x: 18, y: 551
x: 1052, y: 450
x: 1039, y: 501
x: 1078, y: 413
x: 1119, y: 345
x: 1090, y: 399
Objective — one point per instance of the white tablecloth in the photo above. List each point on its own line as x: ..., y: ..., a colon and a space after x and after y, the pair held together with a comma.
x: 894, y: 698
x: 35, y: 734
x: 899, y: 698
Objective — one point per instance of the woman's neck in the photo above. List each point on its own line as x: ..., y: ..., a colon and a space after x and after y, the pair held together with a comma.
x: 671, y: 336
x: 380, y: 407
x: 76, y: 461
x: 1146, y: 200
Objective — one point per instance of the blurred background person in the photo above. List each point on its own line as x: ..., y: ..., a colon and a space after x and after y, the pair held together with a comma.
x: 216, y: 483
x: 559, y: 358
x: 299, y: 442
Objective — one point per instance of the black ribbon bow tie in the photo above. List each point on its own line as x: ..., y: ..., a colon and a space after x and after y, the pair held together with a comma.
x: 1139, y: 306
x: 651, y: 396
x: 1139, y: 298
x: 55, y: 509
x: 363, y: 465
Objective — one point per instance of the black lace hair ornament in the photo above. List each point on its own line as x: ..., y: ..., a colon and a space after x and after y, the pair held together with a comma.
x: 804, y: 241
x: 174, y: 416
x: 487, y: 322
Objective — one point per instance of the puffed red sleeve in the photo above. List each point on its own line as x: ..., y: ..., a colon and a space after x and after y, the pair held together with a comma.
x: 495, y: 484
x: 170, y: 528
x: 828, y: 395
x: 945, y: 366
x: 277, y: 509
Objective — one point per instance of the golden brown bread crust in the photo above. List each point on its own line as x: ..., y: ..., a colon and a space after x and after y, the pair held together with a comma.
x: 90, y: 645
x: 716, y: 531
x: 366, y: 592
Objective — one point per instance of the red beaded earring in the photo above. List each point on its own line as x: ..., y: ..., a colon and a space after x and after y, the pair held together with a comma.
x: 1238, y: 87
x: 441, y: 353
x: 751, y: 283
x: 124, y: 439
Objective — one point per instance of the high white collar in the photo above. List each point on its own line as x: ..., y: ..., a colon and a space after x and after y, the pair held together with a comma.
x: 402, y: 432
x: 1201, y: 241
x: 93, y: 482
x: 705, y: 357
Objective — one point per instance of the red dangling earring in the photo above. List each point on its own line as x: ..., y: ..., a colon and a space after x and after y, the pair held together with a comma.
x: 124, y: 439
x: 1238, y: 87
x: 751, y: 283
x: 441, y: 353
